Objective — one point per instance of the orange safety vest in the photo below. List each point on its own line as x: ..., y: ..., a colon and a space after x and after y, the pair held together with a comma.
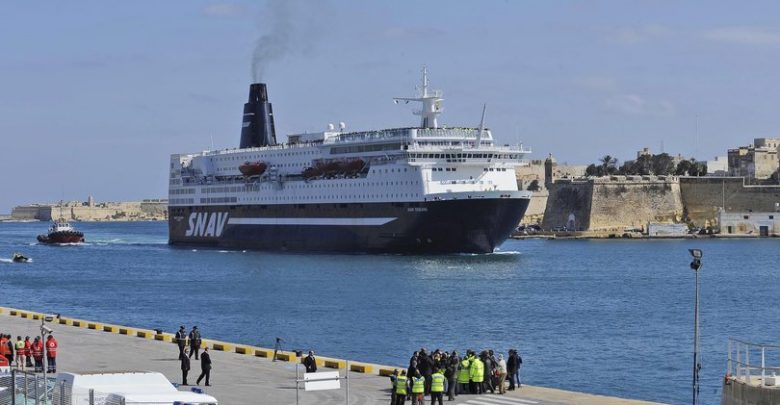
x: 4, y: 347
x: 37, y: 350
x: 27, y: 346
x: 51, y: 347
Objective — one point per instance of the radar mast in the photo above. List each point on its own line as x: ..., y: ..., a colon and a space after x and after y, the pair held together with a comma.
x: 431, y: 103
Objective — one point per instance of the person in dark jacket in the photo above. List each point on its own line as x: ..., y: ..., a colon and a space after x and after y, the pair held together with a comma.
x: 205, y: 367
x: 425, y: 365
x: 195, y: 342
x: 451, y: 372
x: 310, y: 362
x: 181, y: 340
x: 185, y: 366
x: 512, y: 368
x: 411, y: 371
x: 487, y: 382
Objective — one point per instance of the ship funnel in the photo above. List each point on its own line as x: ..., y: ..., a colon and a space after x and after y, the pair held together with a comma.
x: 257, y: 128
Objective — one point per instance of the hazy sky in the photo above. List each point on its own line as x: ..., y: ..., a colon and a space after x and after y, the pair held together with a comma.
x: 95, y: 95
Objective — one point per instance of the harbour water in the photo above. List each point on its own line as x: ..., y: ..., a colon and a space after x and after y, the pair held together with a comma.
x: 611, y: 317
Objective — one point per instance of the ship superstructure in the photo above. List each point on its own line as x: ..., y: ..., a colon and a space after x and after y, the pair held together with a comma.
x: 419, y: 189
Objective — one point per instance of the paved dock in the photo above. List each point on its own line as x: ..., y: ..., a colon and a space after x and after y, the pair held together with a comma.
x: 247, y: 379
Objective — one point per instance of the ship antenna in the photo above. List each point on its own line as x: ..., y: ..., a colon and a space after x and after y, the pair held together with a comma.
x: 481, y: 126
x: 431, y: 103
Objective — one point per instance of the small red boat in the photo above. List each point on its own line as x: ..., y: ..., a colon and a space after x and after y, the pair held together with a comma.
x: 61, y: 232
x: 250, y: 169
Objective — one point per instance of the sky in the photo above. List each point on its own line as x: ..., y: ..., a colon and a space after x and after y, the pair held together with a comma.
x: 95, y: 96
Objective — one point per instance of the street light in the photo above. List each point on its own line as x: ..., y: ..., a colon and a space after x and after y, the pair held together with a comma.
x: 696, y: 265
x: 45, y: 330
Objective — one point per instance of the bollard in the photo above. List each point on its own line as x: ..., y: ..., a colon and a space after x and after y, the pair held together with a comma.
x: 91, y: 396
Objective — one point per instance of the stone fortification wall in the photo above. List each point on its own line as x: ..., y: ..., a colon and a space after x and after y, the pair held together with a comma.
x: 535, y: 212
x: 703, y: 197
x: 566, y: 198
x: 614, y: 203
x: 119, y: 211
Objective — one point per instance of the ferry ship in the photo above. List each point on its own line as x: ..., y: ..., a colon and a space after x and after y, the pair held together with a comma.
x: 422, y: 189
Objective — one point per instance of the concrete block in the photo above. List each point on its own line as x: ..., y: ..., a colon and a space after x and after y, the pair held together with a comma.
x: 111, y: 328
x: 335, y: 363
x: 126, y: 331
x: 146, y: 334
x: 267, y: 353
x: 361, y: 368
x: 164, y: 337
x: 286, y: 356
x: 222, y: 346
x: 14, y: 312
x: 79, y: 323
x: 37, y: 317
x: 94, y: 326
x: 245, y: 350
x: 25, y: 314
x: 66, y: 321
x: 386, y: 372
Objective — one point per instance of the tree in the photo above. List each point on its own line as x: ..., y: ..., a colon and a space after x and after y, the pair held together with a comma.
x: 591, y: 170
x: 698, y: 169
x: 608, y: 165
x: 683, y: 168
x: 662, y: 164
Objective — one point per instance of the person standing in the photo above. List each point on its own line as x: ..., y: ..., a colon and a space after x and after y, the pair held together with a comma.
x: 310, y: 362
x: 19, y: 346
x: 37, y: 352
x: 511, y: 368
x: 519, y: 366
x: 185, y: 366
x: 393, y: 381
x: 464, y: 375
x: 451, y: 374
x: 476, y: 374
x: 418, y: 389
x: 4, y: 347
x: 181, y: 340
x: 205, y: 367
x: 487, y: 373
x: 28, y: 352
x: 400, y: 389
x: 195, y: 342
x: 501, y: 367
x: 51, y: 353
x: 437, y: 387
x: 425, y: 365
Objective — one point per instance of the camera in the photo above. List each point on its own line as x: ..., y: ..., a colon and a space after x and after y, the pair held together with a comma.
x: 45, y: 329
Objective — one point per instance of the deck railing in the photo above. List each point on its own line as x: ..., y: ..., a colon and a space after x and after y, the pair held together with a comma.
x: 741, y: 353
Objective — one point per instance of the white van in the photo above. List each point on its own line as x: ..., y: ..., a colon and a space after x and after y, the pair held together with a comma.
x: 125, y: 388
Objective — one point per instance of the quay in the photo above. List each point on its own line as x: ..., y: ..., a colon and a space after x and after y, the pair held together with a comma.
x: 243, y: 374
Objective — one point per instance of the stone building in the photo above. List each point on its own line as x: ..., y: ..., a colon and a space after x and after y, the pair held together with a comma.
x: 718, y: 166
x: 750, y: 223
x: 757, y: 161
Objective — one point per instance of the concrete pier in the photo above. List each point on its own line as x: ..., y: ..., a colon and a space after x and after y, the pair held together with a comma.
x: 241, y: 374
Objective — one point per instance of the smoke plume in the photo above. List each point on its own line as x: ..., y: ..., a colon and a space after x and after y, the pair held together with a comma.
x: 275, y: 43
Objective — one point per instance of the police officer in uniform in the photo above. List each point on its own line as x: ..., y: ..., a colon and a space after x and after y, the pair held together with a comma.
x: 181, y: 340
x: 400, y: 389
x: 437, y: 387
x: 195, y: 342
x: 418, y: 389
x: 451, y: 372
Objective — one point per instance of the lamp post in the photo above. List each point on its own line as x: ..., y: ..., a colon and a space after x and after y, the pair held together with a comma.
x: 696, y: 265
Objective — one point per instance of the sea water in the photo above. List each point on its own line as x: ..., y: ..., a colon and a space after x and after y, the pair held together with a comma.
x: 612, y: 317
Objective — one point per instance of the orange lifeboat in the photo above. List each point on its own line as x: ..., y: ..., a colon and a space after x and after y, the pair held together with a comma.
x: 250, y: 169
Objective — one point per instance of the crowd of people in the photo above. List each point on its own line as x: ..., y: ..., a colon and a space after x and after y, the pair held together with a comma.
x: 440, y: 373
x: 189, y: 344
x: 26, y: 354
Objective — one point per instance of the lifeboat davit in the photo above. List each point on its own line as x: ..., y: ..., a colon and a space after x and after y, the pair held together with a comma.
x: 250, y: 169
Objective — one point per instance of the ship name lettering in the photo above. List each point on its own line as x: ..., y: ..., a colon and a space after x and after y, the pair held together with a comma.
x: 206, y: 224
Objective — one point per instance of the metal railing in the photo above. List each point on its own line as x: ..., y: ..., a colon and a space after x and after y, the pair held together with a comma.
x: 739, y: 360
